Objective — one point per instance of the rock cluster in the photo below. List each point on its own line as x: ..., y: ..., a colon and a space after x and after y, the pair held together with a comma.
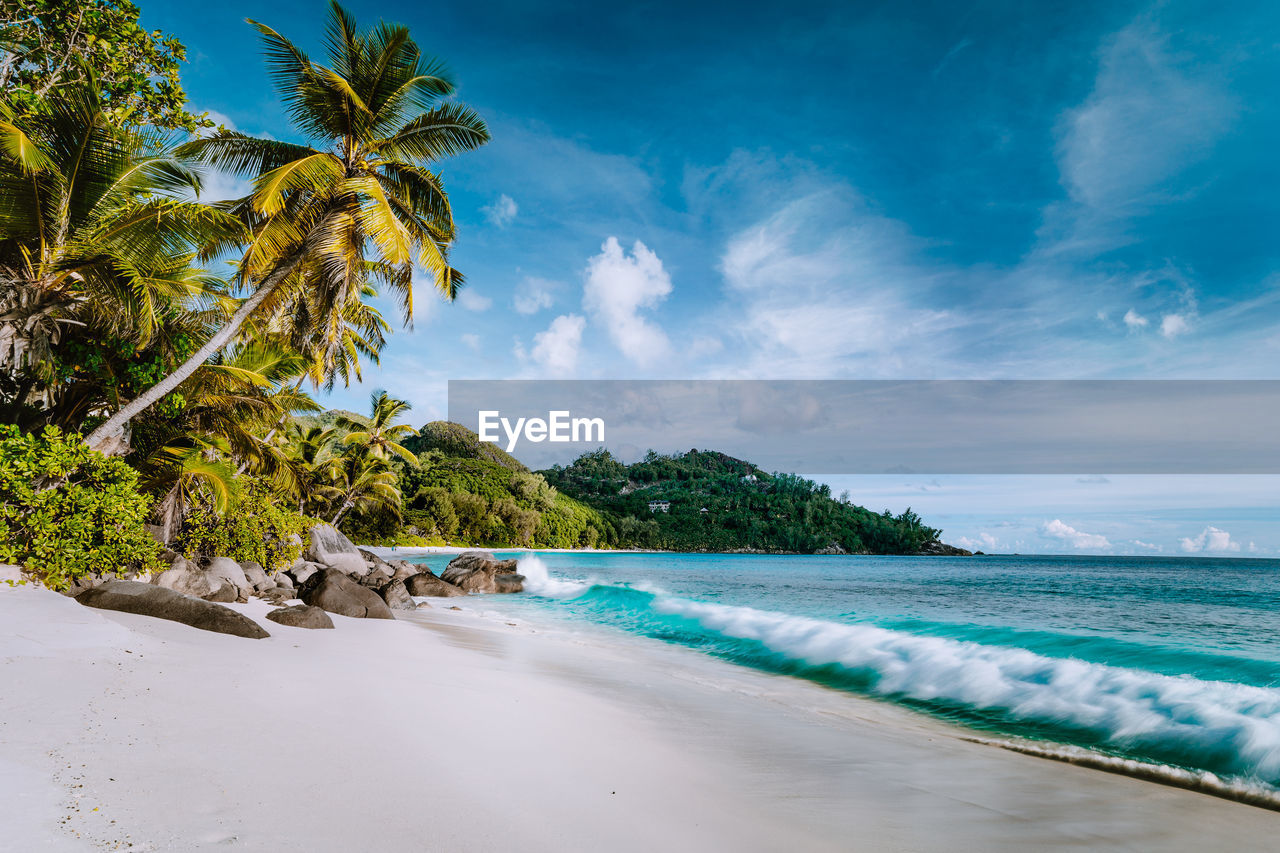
x: 332, y: 576
x: 480, y: 571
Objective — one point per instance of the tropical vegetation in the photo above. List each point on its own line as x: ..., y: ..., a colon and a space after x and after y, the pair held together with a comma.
x: 169, y: 343
x: 706, y: 501
x: 159, y: 349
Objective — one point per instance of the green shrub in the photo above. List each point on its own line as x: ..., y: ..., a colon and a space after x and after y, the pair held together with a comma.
x: 256, y: 526
x: 67, y: 511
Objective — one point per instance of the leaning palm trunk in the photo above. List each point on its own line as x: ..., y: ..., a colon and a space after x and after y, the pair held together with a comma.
x: 107, y: 436
x: 346, y: 505
x: 380, y: 111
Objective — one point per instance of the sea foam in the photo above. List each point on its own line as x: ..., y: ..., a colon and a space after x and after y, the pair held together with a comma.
x: 1221, y: 726
x: 538, y: 580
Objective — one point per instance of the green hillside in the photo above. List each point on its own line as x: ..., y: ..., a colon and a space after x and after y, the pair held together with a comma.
x: 468, y: 491
x: 465, y: 491
x: 707, y: 501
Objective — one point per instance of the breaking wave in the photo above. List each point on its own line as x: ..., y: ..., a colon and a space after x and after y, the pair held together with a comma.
x: 1216, y: 727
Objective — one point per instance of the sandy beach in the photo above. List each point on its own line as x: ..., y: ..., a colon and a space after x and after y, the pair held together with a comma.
x: 454, y: 730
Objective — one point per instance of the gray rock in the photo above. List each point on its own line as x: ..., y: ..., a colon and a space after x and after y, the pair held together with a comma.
x: 282, y: 579
x: 256, y: 576
x: 378, y: 577
x: 227, y: 569
x: 226, y: 592
x: 426, y: 583
x: 403, y: 570
x: 397, y: 596
x: 475, y: 571
x: 302, y: 570
x: 335, y: 592
x: 187, y: 578
x: 163, y: 603
x: 508, y: 583
x: 331, y: 548
x: 301, y: 616
x: 278, y: 594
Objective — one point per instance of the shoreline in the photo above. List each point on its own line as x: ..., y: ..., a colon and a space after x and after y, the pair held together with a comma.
x: 473, y: 730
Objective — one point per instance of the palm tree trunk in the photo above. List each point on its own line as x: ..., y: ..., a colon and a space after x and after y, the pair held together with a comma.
x: 114, y: 425
x: 346, y: 505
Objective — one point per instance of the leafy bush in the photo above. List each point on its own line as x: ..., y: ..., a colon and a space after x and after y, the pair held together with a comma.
x: 67, y: 511
x: 256, y: 526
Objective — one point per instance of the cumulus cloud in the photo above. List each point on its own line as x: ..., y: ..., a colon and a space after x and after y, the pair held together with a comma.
x: 532, y: 295
x: 1174, y: 324
x: 983, y: 541
x: 1148, y: 546
x: 473, y: 301
x: 556, y: 349
x: 618, y: 286
x: 1056, y: 529
x: 1134, y: 320
x: 502, y: 212
x: 1211, y: 539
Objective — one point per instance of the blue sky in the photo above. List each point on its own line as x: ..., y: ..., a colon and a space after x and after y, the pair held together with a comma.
x: 849, y: 190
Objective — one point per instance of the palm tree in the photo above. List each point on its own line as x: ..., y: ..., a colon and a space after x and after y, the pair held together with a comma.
x: 361, y: 203
x: 381, y: 435
x: 93, y: 231
x: 360, y: 480
x: 308, y: 454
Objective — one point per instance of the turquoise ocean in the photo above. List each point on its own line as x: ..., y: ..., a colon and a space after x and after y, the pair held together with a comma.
x: 1173, y: 663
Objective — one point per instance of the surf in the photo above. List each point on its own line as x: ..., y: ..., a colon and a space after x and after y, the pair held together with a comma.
x: 1219, y: 727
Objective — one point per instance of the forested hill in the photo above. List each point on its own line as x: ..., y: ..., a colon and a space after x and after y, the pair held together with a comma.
x: 707, y: 501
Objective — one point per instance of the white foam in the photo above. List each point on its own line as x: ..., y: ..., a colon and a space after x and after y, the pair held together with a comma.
x: 538, y: 580
x: 1199, y: 717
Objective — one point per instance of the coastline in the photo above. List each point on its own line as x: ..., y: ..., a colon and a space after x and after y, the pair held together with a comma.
x: 466, y: 730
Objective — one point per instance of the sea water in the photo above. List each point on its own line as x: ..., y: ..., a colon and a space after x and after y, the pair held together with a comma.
x: 1167, y: 661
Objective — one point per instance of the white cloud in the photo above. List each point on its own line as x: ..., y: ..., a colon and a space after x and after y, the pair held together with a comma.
x: 532, y: 295
x: 825, y: 287
x: 473, y: 301
x: 1148, y: 117
x: 1148, y: 546
x: 502, y: 212
x: 556, y: 349
x: 617, y: 288
x: 1056, y: 529
x: 983, y: 541
x: 1134, y: 320
x: 1174, y: 324
x: 471, y: 340
x: 1210, y: 539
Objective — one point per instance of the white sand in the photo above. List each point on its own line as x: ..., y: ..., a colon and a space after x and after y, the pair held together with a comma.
x: 451, y: 731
